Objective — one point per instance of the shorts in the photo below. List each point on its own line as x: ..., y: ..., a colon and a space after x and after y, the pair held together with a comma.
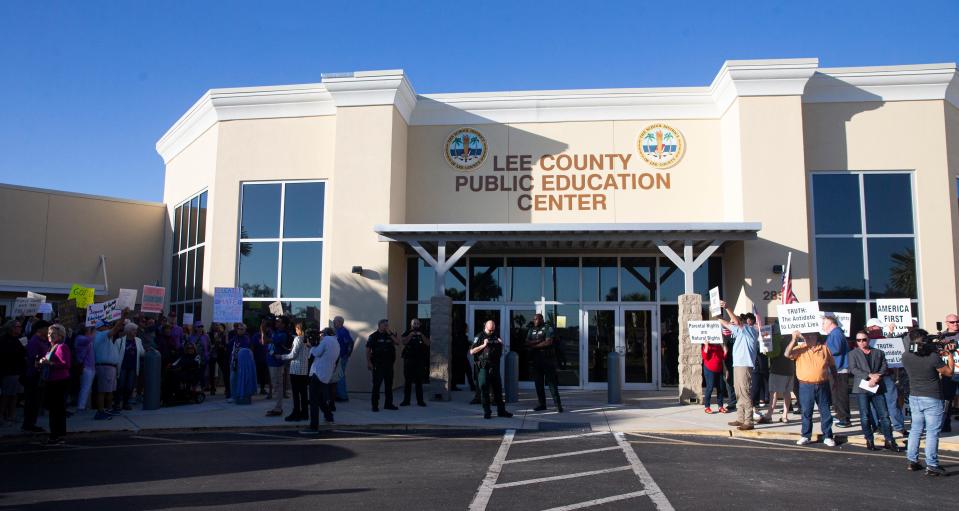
x: 106, y: 378
x: 11, y: 385
x: 780, y: 383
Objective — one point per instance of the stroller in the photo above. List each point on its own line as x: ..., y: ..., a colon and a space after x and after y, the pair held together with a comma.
x: 183, y: 378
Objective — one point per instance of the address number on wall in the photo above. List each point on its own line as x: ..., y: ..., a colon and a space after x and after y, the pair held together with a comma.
x: 770, y: 295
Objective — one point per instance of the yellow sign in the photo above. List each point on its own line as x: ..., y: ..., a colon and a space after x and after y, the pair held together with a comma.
x: 83, y: 296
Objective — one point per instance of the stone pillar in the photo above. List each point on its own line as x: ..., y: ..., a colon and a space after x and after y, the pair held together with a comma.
x: 690, y: 357
x: 441, y: 330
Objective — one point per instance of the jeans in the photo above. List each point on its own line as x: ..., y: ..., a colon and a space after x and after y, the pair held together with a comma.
x: 713, y: 381
x: 341, y: 392
x: 892, y: 404
x: 878, y: 402
x: 319, y: 401
x: 926, y: 414
x: 300, y: 382
x: 811, y: 394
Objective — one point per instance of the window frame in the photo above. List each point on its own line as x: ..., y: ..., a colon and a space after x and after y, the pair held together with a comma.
x: 183, y: 231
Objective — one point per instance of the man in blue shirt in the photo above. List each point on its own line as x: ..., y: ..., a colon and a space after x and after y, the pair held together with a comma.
x: 345, y: 340
x: 839, y: 347
x: 745, y: 349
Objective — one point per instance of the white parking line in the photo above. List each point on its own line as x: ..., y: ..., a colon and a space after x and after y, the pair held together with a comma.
x: 564, y: 476
x: 485, y: 491
x: 564, y: 437
x: 652, y: 489
x: 562, y: 454
x: 597, y: 502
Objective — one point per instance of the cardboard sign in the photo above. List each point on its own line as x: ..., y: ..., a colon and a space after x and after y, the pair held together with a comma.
x: 714, y: 309
x: 127, y: 299
x: 95, y: 313
x: 227, y: 305
x: 187, y: 319
x: 83, y: 295
x: 152, y: 299
x: 898, y: 311
x: 31, y: 294
x: 45, y: 308
x: 705, y: 332
x: 765, y: 338
x: 799, y: 316
x: 24, y: 306
x: 893, y: 349
x: 276, y: 308
x: 843, y: 320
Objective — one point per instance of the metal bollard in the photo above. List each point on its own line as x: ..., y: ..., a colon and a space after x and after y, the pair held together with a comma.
x: 614, y: 389
x: 151, y: 380
x: 511, y: 385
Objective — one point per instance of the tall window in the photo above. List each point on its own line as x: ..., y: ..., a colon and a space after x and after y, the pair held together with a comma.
x: 189, y: 242
x: 865, y: 242
x: 281, y: 247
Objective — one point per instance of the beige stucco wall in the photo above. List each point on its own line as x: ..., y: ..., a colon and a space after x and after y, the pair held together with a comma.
x: 952, y: 148
x: 61, y: 236
x: 863, y: 136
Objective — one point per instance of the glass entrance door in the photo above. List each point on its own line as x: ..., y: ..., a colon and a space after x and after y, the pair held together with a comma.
x: 599, y: 330
x: 640, y: 347
x: 629, y: 330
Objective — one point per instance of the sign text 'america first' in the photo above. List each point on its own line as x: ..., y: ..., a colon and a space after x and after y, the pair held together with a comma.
x: 799, y: 316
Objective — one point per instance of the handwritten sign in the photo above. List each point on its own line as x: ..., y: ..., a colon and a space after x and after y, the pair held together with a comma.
x: 83, y: 295
x: 24, y: 306
x: 714, y: 309
x: 893, y: 349
x: 276, y: 308
x: 152, y: 299
x: 188, y: 319
x: 897, y: 311
x: 95, y: 314
x: 227, y: 305
x: 843, y: 321
x: 127, y: 299
x: 111, y: 310
x: 45, y: 308
x: 705, y: 332
x: 799, y: 316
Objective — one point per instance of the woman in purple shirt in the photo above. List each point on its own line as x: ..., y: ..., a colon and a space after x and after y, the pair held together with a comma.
x: 56, y: 365
x: 84, y: 357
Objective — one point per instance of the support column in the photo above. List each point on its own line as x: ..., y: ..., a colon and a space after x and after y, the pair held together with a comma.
x: 441, y: 335
x: 690, y: 358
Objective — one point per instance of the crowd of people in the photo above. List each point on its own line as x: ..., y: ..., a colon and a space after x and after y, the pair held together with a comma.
x: 822, y: 371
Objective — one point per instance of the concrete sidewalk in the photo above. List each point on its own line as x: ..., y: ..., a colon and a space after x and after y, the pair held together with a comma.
x: 641, y: 411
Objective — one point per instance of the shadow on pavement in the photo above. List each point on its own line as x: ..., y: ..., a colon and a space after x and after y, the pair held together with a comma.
x: 166, y: 501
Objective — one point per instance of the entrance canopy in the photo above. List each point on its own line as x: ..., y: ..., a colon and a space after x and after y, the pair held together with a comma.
x: 694, y: 241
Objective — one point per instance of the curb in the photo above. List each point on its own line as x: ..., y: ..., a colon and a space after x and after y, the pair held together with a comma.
x: 775, y: 435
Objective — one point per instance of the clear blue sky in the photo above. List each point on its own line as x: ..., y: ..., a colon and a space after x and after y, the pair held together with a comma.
x: 88, y: 87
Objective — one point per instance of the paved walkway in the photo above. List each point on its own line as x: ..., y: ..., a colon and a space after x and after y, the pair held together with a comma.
x: 641, y: 411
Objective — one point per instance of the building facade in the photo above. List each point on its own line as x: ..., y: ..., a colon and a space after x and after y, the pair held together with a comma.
x: 358, y: 197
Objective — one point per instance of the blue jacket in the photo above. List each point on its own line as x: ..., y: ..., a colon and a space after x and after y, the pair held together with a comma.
x: 839, y: 347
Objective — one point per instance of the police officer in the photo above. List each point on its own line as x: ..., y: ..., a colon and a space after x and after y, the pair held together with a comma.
x: 380, y: 356
x: 487, y: 349
x: 539, y: 342
x: 415, y: 346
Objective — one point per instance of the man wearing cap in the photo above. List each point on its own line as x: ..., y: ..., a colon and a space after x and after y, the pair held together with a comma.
x: 839, y: 347
x: 37, y: 347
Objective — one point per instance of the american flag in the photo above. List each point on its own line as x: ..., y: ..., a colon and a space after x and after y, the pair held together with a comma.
x: 786, y: 295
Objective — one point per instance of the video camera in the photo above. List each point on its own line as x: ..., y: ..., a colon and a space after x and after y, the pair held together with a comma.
x: 923, y: 343
x: 313, y: 337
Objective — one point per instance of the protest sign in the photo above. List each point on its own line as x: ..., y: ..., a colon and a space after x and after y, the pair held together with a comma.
x: 45, y: 308
x: 152, y: 299
x: 896, y: 311
x: 95, y: 313
x: 111, y: 310
x: 714, y: 309
x: 127, y: 299
x: 276, y: 308
x: 843, y: 320
x: 227, y: 305
x: 24, y: 306
x: 702, y: 332
x: 83, y: 295
x: 31, y: 294
x: 802, y: 316
x: 188, y: 318
x: 893, y: 348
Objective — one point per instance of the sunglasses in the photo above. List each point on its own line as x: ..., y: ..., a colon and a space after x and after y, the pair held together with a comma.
x: 952, y: 322
x: 862, y: 339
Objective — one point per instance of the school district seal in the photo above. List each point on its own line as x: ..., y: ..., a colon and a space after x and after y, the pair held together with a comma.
x: 661, y: 145
x: 465, y: 149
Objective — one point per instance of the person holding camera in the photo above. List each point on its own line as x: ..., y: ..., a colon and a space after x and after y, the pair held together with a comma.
x: 815, y: 369
x: 325, y: 352
x: 869, y: 365
x: 949, y: 385
x: 415, y: 346
x: 924, y: 365
x: 487, y: 350
x: 380, y: 356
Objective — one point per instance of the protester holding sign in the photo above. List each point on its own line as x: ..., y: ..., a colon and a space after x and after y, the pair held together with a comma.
x: 713, y: 355
x: 867, y: 367
x: 745, y: 349
x: 839, y: 347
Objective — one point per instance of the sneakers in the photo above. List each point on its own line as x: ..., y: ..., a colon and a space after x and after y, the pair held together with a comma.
x: 803, y: 441
x: 913, y: 466
x: 539, y: 408
x: 829, y: 442
x: 708, y: 410
x: 935, y: 471
x: 722, y: 409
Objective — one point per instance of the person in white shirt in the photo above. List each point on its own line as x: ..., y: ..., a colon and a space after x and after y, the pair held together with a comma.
x: 325, y: 351
x: 299, y: 377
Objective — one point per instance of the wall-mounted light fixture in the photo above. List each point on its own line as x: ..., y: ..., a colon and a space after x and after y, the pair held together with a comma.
x: 358, y: 270
x: 778, y: 269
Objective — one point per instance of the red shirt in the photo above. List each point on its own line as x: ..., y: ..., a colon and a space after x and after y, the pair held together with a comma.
x: 713, y: 357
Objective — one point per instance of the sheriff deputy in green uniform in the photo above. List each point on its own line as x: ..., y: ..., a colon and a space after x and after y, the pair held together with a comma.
x: 380, y: 356
x: 539, y: 342
x: 487, y: 349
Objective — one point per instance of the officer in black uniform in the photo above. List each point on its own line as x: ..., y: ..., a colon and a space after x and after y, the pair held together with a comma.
x: 487, y: 349
x: 539, y: 342
x: 415, y: 348
x: 380, y: 356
